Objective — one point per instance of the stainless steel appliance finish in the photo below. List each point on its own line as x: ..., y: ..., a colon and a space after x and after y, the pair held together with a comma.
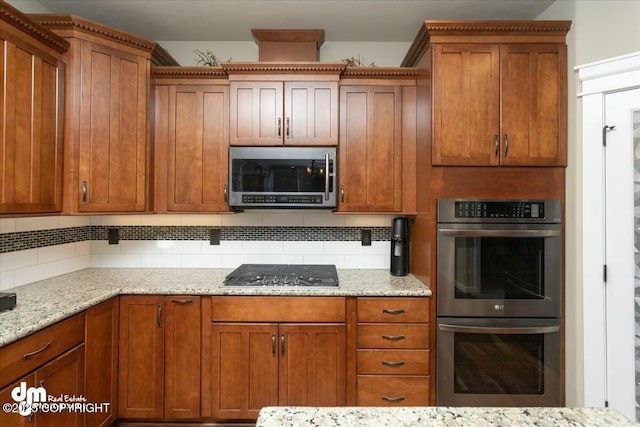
x: 498, y: 265
x: 282, y: 177
x: 499, y: 362
x: 283, y: 275
x: 499, y: 303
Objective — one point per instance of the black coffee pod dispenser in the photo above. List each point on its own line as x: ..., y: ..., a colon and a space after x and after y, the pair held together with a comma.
x: 400, y: 247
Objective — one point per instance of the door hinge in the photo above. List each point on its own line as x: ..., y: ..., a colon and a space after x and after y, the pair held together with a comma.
x: 604, y: 273
x: 604, y: 134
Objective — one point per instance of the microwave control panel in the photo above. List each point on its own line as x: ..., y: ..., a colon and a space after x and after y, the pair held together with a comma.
x: 499, y: 209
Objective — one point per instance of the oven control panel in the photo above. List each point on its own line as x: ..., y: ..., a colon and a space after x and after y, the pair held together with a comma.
x: 499, y: 209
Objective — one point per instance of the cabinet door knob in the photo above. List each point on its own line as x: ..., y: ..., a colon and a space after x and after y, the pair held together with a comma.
x: 38, y: 351
x: 342, y: 193
x: 392, y: 364
x: 506, y: 145
x: 84, y: 192
x: 225, y: 191
x: 287, y: 128
x: 181, y: 301
x: 393, y: 337
x: 393, y: 310
x: 393, y: 399
x: 159, y: 316
x: 279, y: 127
x: 497, y: 144
x: 273, y: 345
x: 282, y: 344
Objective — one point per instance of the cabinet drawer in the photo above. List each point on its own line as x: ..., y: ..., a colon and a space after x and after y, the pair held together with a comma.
x: 386, y: 335
x: 24, y: 355
x: 410, y: 310
x: 385, y: 390
x: 278, y: 309
x: 393, y: 362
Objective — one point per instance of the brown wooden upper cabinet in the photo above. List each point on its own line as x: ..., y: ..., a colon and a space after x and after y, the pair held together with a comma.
x: 191, y: 139
x: 31, y: 105
x: 283, y: 104
x: 499, y: 91
x: 107, y: 142
x: 377, y: 152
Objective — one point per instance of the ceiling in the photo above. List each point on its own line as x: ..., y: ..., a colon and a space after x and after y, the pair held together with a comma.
x: 342, y: 20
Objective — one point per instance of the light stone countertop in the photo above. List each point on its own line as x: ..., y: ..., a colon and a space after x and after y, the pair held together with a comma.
x: 44, y: 303
x: 291, y: 416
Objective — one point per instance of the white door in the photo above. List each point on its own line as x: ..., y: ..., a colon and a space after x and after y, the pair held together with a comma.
x: 621, y: 251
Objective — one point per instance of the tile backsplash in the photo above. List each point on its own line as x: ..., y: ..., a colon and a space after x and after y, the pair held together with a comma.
x: 37, y: 248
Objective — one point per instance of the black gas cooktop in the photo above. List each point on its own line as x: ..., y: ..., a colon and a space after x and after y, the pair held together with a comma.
x: 283, y: 275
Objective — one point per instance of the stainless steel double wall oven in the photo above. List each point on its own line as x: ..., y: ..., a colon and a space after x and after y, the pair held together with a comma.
x: 499, y: 303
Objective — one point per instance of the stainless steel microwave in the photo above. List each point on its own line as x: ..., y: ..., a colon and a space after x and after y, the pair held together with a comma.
x: 282, y: 177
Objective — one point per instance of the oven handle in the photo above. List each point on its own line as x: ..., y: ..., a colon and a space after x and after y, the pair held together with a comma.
x: 498, y: 233
x: 493, y: 330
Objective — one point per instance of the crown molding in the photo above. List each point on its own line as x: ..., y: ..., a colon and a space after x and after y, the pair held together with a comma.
x: 77, y: 23
x: 384, y: 72
x: 430, y: 31
x: 23, y: 22
x: 188, y: 72
x: 283, y: 67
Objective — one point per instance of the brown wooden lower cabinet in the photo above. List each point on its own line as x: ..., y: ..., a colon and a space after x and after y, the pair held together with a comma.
x: 262, y: 364
x: 101, y: 361
x: 159, y: 364
x: 61, y: 377
x: 385, y: 390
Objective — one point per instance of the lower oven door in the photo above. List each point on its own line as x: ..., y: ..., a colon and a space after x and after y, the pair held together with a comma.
x: 499, y: 362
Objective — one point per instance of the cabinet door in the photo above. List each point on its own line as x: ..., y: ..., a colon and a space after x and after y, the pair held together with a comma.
x: 534, y: 109
x: 101, y: 361
x: 63, y: 376
x: 13, y: 418
x: 30, y: 131
x: 311, y: 113
x: 113, y: 130
x: 256, y: 113
x: 370, y: 149
x: 312, y: 364
x: 182, y: 357
x: 198, y: 148
x: 244, y: 369
x: 466, y: 104
x: 141, y: 357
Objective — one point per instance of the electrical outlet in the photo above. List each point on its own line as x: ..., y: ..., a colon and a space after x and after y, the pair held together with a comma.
x: 113, y: 235
x: 214, y: 237
x: 365, y: 237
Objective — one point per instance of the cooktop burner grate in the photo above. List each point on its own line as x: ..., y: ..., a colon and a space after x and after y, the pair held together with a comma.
x: 283, y: 275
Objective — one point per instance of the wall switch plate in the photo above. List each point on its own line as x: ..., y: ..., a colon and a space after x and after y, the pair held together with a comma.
x: 113, y: 235
x: 214, y: 237
x: 365, y: 237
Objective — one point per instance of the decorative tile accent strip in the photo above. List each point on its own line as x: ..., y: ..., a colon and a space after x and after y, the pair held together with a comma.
x: 11, y: 242
x: 242, y: 233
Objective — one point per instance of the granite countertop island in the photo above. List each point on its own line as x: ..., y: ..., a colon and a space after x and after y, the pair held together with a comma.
x: 288, y: 416
x: 44, y: 303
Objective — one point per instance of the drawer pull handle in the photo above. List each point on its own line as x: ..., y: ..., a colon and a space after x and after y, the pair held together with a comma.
x: 393, y: 399
x: 393, y: 311
x: 181, y: 301
x: 393, y: 364
x: 393, y: 337
x: 38, y: 351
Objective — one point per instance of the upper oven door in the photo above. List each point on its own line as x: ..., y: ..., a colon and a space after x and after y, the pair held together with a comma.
x: 501, y: 270
x: 282, y: 177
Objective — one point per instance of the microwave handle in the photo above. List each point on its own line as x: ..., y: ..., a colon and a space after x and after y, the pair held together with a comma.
x: 326, y: 176
x: 493, y: 330
x: 498, y: 233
